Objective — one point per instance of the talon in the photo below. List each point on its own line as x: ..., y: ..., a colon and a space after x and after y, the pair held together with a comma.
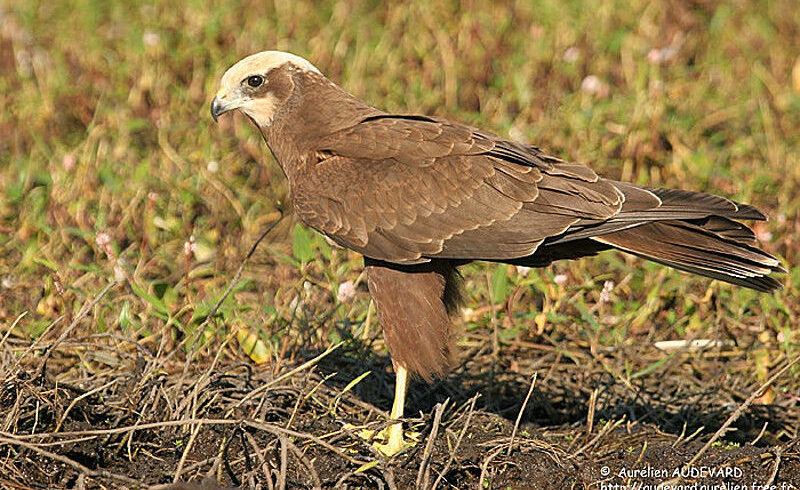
x: 393, y: 434
x: 396, y: 442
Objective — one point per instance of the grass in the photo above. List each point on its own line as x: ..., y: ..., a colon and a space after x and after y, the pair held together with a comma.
x: 111, y: 168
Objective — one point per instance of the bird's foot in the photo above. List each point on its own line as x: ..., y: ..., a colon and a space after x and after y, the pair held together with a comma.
x: 395, y: 440
x: 392, y: 440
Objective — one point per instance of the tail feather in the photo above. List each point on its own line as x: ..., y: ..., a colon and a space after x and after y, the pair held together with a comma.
x: 692, y: 248
x: 690, y: 231
x: 679, y: 199
x: 726, y: 228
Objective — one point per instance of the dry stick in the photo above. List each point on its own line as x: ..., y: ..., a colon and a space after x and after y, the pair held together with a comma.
x: 54, y: 443
x: 521, y: 411
x: 641, y: 454
x: 189, y: 444
x: 14, y: 484
x: 608, y: 427
x: 213, y: 312
x: 216, y: 468
x: 299, y: 455
x: 203, y: 381
x: 74, y: 464
x: 388, y: 475
x: 238, y: 274
x: 79, y: 398
x: 424, y: 473
x: 760, y: 434
x: 260, y: 455
x: 733, y: 417
x: 592, y: 411
x: 11, y: 328
x: 680, y: 436
x: 74, y: 324
x: 210, y: 474
x: 458, y: 443
x: 118, y: 430
x: 277, y: 430
x: 485, y: 466
x: 284, y: 463
x: 693, y: 435
x: 37, y: 342
x: 778, y: 452
x: 271, y: 428
x: 8, y: 334
x: 289, y: 374
x: 189, y: 469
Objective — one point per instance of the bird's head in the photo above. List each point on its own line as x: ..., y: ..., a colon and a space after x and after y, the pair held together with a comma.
x: 259, y: 85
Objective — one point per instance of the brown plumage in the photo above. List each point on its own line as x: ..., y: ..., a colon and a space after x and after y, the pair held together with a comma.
x: 416, y: 302
x: 419, y: 195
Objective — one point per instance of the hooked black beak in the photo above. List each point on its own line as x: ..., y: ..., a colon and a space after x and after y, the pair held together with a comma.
x: 217, y: 108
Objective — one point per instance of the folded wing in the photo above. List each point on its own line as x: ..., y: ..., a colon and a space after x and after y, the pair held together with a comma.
x: 407, y: 189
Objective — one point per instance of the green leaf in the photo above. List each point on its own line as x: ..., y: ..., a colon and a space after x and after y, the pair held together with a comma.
x: 499, y: 283
x: 303, y: 244
x: 125, y: 315
x: 50, y: 265
x: 154, y: 302
x: 323, y: 247
x: 347, y: 388
x: 367, y: 466
x: 652, y: 367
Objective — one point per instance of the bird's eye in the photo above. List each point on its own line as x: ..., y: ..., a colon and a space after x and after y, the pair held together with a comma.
x: 255, y: 80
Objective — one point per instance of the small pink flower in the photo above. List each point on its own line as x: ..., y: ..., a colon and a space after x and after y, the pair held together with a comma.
x: 151, y: 39
x: 69, y: 161
x: 763, y: 235
x: 189, y: 246
x: 571, y: 54
x: 592, y: 85
x: 661, y: 56
x: 102, y: 239
x: 347, y: 291
x: 605, y: 294
x: 560, y: 279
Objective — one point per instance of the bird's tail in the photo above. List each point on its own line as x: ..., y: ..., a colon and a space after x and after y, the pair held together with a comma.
x: 693, y: 248
x: 714, y: 246
x: 690, y: 231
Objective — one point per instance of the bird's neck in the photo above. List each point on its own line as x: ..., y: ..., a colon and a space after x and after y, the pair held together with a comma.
x: 320, y: 109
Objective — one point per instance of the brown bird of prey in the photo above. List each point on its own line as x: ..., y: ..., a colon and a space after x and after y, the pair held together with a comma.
x: 419, y: 196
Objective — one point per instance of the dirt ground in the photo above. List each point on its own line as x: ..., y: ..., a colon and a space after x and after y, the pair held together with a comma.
x: 152, y: 420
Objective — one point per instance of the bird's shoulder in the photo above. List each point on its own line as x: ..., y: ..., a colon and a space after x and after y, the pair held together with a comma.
x: 408, y: 138
x: 419, y: 141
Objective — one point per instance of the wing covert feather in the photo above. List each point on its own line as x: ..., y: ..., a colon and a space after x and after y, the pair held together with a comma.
x: 406, y: 189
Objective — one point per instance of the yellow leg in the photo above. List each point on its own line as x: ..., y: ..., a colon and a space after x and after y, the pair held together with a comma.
x: 395, y: 444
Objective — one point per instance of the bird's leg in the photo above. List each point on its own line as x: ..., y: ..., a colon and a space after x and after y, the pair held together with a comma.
x: 395, y: 442
x: 396, y: 429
